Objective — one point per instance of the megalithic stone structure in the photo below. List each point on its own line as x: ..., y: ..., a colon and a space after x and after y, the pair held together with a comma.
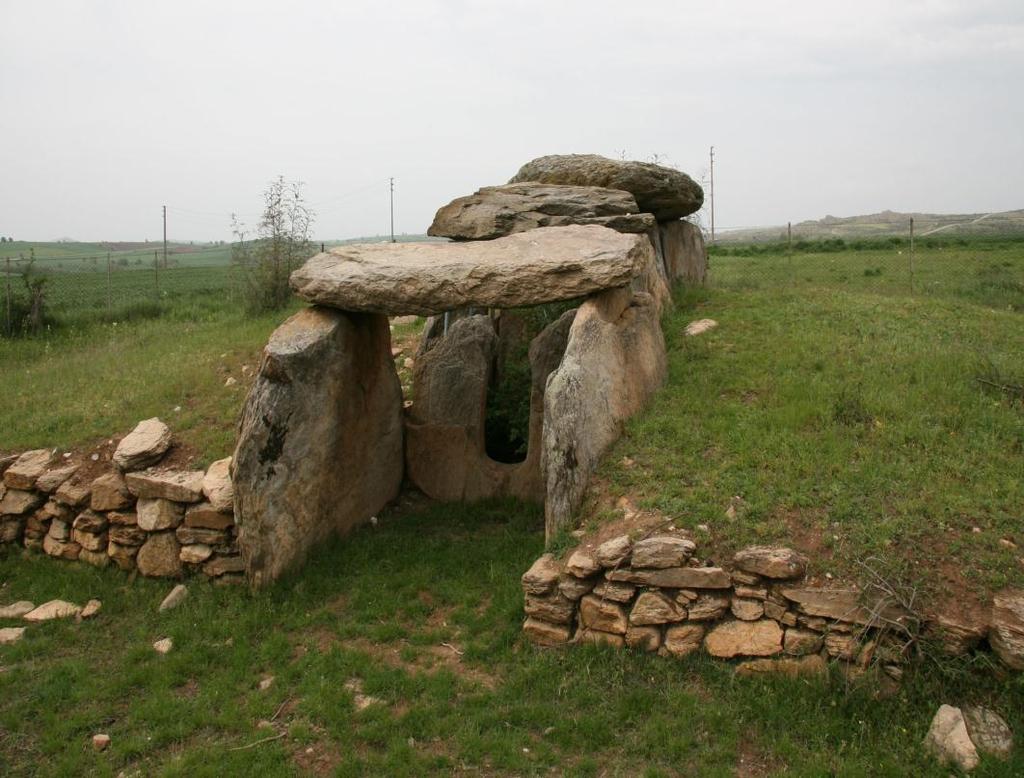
x: 324, y: 441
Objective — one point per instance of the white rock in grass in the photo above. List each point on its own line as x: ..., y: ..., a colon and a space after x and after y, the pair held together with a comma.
x: 699, y: 327
x: 163, y: 646
x: 91, y: 609
x: 175, y: 598
x: 16, y: 609
x: 10, y: 635
x: 100, y: 742
x: 54, y: 609
x: 949, y: 741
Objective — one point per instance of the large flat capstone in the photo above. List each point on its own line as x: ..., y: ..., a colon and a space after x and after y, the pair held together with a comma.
x: 544, y: 265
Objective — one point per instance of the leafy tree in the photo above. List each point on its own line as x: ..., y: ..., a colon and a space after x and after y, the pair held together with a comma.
x: 281, y: 244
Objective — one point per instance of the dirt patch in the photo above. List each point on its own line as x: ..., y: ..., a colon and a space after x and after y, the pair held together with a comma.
x: 624, y: 518
x: 188, y: 690
x: 319, y: 758
x: 752, y: 761
x: 429, y: 659
x: 804, y: 528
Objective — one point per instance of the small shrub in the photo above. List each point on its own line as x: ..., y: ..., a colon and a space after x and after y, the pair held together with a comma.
x: 281, y: 245
x: 25, y: 312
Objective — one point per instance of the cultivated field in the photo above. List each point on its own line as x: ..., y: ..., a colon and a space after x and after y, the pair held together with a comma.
x: 831, y: 409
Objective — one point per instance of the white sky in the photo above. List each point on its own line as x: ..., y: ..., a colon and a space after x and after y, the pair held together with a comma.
x: 112, y: 109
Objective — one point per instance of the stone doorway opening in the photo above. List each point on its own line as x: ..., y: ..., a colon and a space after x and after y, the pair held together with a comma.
x: 510, y: 387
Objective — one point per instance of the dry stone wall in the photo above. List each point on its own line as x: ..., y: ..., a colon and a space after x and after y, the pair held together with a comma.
x: 654, y: 594
x: 134, y: 515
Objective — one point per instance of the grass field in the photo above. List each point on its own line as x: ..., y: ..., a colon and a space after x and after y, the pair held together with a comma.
x: 90, y: 283
x: 835, y: 413
x: 77, y: 388
x: 421, y: 614
x: 987, y: 273
x: 848, y: 422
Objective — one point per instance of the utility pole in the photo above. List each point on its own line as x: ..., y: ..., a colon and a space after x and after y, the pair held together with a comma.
x: 392, y: 183
x: 712, y: 194
x: 165, y: 236
x: 911, y: 254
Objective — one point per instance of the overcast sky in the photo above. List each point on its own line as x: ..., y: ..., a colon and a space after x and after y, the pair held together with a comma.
x: 112, y: 109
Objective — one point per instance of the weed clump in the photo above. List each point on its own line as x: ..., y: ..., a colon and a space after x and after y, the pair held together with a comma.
x: 849, y: 408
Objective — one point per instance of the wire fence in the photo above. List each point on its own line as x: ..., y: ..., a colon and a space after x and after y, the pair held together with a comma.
x: 120, y: 285
x: 76, y: 290
x: 983, y: 270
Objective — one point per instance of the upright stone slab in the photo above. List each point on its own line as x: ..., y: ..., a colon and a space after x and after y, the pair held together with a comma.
x: 445, y: 443
x: 320, y: 439
x: 445, y: 448
x: 614, y: 361
x: 684, y: 253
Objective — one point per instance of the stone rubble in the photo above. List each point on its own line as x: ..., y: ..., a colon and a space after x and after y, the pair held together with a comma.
x: 54, y: 609
x: 123, y: 517
x: 164, y: 645
x: 614, y: 593
x: 16, y: 609
x: 11, y: 635
x: 174, y: 598
x: 143, y: 446
x: 949, y: 740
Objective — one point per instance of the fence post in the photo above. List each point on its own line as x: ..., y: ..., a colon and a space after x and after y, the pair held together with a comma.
x: 911, y: 254
x: 109, y: 296
x: 8, y: 326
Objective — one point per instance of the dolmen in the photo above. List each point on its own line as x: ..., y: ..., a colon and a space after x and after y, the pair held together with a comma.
x: 326, y: 437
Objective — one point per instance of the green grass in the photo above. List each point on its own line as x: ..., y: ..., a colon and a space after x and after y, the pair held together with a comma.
x: 846, y: 414
x: 379, y: 608
x: 990, y: 275
x: 79, y: 386
x: 850, y: 422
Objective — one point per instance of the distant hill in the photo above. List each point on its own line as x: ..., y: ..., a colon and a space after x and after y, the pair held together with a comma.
x: 886, y: 223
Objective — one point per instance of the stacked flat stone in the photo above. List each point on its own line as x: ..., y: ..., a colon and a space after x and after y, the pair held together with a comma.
x: 163, y: 522
x: 654, y: 595
x: 563, y: 189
